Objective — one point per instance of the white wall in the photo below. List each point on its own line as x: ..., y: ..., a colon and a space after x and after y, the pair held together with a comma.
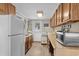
x: 75, y: 27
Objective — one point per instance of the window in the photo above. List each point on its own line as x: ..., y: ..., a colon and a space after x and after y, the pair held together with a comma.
x: 46, y: 25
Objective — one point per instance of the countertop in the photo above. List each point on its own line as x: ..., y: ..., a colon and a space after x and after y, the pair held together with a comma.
x: 60, y: 49
x: 52, y: 38
x: 27, y: 35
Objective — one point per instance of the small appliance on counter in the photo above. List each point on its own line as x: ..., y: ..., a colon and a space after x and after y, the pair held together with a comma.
x: 68, y: 38
x: 71, y: 39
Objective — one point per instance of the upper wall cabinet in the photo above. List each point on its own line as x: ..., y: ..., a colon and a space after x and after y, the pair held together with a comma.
x: 59, y: 15
x: 70, y: 12
x: 50, y: 22
x: 53, y: 21
x: 7, y: 8
x: 3, y: 8
x: 12, y: 9
x: 66, y: 11
x: 74, y: 11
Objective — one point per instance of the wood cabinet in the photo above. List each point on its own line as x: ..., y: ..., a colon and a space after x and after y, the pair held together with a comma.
x: 28, y: 43
x: 59, y: 15
x: 12, y: 9
x: 74, y: 11
x: 7, y: 8
x: 65, y: 13
x: 53, y: 21
x: 51, y: 49
x: 70, y: 12
x: 3, y: 8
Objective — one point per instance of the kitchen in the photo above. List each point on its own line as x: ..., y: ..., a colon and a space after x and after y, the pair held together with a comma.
x: 39, y: 29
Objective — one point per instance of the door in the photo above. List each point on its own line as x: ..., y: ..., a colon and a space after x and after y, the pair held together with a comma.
x: 17, y: 45
x: 36, y: 30
x: 4, y: 40
x: 16, y: 25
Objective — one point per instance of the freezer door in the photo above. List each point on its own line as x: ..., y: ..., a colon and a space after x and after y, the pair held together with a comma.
x: 17, y: 45
x: 16, y: 25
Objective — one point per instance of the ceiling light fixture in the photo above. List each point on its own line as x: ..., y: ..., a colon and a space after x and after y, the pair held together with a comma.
x: 39, y: 13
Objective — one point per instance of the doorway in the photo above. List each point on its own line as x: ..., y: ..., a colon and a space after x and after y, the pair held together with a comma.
x: 37, y: 30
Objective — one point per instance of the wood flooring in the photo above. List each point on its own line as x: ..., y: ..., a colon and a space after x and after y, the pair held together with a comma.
x: 38, y: 50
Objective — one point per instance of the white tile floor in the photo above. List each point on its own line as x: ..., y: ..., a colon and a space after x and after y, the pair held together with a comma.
x: 38, y: 50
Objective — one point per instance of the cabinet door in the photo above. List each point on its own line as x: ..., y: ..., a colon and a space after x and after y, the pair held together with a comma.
x: 58, y: 16
x: 11, y: 9
x: 29, y: 42
x: 66, y: 11
x: 55, y: 19
x: 7, y: 8
x: 74, y: 11
x: 51, y: 22
x: 26, y: 43
x: 3, y: 8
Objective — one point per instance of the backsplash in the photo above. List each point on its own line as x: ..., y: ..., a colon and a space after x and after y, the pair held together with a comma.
x: 74, y: 27
x: 58, y: 28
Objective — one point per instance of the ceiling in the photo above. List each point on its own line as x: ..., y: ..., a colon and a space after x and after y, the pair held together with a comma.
x: 29, y: 9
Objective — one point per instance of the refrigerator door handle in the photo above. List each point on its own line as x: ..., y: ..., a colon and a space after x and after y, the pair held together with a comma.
x: 15, y: 34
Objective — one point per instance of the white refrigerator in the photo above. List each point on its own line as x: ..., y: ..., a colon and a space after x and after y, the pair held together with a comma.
x: 11, y: 36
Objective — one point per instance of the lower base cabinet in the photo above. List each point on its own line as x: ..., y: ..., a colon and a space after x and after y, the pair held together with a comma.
x: 51, y: 49
x: 28, y: 43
